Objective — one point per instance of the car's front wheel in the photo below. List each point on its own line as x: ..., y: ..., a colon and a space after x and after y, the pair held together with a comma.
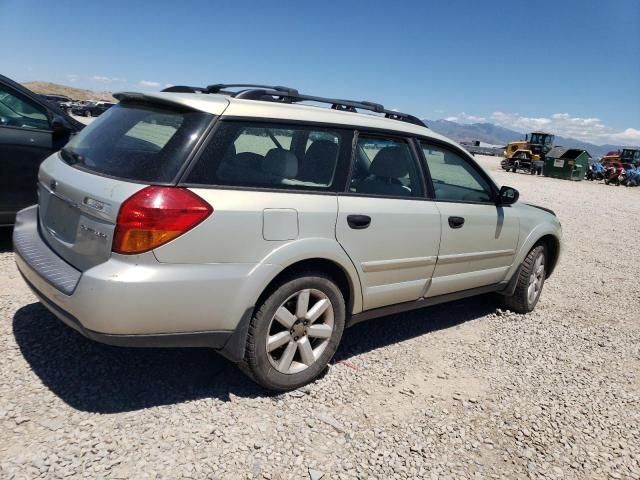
x: 530, y: 281
x: 295, y: 332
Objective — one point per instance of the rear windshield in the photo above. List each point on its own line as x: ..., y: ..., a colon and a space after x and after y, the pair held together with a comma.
x: 137, y: 142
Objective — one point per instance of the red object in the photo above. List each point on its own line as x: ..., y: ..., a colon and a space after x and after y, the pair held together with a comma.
x: 156, y: 215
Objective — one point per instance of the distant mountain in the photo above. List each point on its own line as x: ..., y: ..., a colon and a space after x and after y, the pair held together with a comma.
x: 71, y: 92
x: 496, y: 135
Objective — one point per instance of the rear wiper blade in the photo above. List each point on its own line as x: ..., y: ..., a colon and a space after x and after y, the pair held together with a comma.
x: 72, y: 156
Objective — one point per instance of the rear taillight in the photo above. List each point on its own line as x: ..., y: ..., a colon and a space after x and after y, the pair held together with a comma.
x: 156, y: 215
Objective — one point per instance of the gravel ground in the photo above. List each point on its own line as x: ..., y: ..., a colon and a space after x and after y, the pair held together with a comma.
x: 462, y: 390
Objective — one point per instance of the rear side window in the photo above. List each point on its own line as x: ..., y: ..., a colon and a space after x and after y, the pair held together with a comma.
x: 270, y: 155
x: 385, y: 167
x: 137, y: 142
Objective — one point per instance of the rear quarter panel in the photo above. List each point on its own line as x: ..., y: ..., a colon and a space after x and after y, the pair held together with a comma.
x: 236, y: 233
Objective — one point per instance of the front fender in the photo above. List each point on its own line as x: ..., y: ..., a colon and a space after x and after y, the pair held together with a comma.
x: 531, y: 239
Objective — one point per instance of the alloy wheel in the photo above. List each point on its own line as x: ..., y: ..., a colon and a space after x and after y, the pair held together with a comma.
x: 536, y: 279
x: 300, y: 331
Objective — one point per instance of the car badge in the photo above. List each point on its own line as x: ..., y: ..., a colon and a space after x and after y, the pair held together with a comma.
x: 53, y: 185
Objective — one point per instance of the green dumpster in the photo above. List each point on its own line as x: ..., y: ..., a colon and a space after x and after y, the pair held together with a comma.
x: 566, y: 163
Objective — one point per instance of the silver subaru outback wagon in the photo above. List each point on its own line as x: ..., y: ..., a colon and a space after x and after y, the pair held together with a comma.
x: 251, y: 220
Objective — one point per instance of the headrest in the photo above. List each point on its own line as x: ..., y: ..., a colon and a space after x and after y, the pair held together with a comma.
x: 249, y: 160
x: 230, y: 154
x: 391, y: 162
x: 322, y: 150
x: 280, y: 163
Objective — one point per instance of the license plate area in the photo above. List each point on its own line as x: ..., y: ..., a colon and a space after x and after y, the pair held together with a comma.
x: 61, y: 219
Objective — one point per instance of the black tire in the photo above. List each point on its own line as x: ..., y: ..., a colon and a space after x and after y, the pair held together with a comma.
x: 258, y: 363
x: 520, y: 301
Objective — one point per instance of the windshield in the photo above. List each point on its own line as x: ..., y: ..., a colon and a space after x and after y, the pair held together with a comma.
x: 541, y: 139
x: 137, y: 142
x: 628, y: 154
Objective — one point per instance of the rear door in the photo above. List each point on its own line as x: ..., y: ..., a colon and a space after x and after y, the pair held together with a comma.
x: 26, y: 138
x: 479, y: 238
x: 386, y: 224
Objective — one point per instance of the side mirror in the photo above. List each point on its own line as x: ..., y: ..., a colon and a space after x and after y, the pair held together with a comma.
x: 58, y: 124
x: 507, y: 196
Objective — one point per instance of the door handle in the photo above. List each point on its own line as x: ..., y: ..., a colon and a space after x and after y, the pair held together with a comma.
x: 358, y: 222
x: 456, y: 222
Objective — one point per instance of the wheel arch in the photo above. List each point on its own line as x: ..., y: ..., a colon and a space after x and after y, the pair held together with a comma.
x: 552, y: 245
x: 546, y: 233
x: 349, y: 288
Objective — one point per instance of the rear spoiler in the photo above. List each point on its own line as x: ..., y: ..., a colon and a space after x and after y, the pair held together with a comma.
x: 137, y: 97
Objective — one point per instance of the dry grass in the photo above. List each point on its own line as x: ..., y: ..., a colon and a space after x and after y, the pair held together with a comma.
x: 71, y: 92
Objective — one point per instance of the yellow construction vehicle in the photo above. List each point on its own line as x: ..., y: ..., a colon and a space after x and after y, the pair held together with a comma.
x: 528, y: 154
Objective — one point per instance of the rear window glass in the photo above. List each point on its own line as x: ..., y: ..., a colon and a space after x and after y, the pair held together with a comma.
x: 137, y: 142
x: 247, y: 154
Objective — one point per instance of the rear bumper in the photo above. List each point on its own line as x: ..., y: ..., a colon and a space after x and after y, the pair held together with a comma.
x: 137, y: 301
x: 31, y: 249
x: 211, y: 339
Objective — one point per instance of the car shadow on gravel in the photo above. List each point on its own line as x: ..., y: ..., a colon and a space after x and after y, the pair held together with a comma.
x: 93, y: 377
x: 383, y: 331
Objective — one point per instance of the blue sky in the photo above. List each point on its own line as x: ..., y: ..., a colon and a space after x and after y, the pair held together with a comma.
x: 570, y: 66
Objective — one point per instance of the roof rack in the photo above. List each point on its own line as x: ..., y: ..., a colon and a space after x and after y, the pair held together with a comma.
x: 270, y: 93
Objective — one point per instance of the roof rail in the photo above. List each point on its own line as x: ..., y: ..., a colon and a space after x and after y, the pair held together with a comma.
x: 184, y: 89
x: 282, y: 94
x: 219, y: 88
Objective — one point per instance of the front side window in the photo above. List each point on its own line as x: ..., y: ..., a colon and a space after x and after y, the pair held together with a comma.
x: 271, y: 156
x: 18, y: 111
x: 454, y: 178
x: 385, y: 167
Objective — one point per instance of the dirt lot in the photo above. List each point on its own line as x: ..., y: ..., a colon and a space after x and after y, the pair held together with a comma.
x: 456, y: 391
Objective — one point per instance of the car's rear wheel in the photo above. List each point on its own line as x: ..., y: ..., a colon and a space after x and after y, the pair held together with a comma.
x: 530, y: 281
x: 295, y: 332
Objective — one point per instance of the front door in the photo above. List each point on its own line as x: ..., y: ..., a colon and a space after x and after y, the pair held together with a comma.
x: 386, y: 225
x: 479, y: 238
x: 26, y: 138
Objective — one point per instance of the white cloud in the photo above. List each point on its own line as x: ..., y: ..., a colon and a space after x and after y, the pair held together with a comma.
x: 463, y: 117
x: 72, y: 77
x: 105, y: 79
x: 588, y: 129
x: 149, y: 83
x: 628, y: 136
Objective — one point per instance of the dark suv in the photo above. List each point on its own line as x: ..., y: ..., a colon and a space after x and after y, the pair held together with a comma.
x: 31, y: 129
x: 92, y: 109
